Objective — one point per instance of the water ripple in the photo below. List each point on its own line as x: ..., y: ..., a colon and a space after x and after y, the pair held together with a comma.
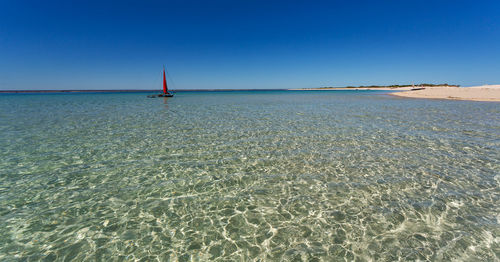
x: 311, y: 176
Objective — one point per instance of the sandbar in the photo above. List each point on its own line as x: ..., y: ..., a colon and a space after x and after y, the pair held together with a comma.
x: 489, y: 93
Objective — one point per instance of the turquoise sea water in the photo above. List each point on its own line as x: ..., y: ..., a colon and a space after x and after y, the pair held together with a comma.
x: 264, y: 176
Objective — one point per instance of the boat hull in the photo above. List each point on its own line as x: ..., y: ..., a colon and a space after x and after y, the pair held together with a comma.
x: 161, y: 95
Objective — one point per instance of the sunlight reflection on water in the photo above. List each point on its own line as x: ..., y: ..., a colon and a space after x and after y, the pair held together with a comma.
x: 248, y: 175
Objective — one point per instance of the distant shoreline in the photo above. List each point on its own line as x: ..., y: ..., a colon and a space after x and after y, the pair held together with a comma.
x: 389, y: 86
x: 376, y: 87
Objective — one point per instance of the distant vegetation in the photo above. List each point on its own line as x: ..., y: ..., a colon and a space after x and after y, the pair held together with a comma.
x: 395, y: 86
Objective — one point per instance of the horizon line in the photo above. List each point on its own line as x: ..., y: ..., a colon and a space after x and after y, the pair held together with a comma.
x: 129, y: 90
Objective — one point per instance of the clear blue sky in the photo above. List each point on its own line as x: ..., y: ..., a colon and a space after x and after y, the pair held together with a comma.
x: 247, y: 44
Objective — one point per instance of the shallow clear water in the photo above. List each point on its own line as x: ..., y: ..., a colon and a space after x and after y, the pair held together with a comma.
x: 269, y: 176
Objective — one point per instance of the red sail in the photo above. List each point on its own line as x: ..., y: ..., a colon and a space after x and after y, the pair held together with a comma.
x: 164, y: 83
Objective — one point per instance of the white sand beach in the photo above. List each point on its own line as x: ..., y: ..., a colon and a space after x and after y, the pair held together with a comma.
x: 476, y: 93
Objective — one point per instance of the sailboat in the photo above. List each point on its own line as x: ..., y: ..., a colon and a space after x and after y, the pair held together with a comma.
x: 165, y: 88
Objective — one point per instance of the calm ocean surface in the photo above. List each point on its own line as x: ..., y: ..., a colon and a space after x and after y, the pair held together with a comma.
x: 255, y: 175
